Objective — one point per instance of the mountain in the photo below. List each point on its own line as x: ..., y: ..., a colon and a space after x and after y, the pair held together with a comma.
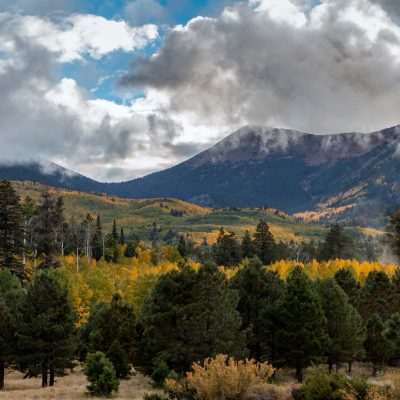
x: 339, y: 174
x: 48, y: 173
x: 348, y: 177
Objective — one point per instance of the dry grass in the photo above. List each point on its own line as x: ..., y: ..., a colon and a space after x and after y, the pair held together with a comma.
x: 72, y: 387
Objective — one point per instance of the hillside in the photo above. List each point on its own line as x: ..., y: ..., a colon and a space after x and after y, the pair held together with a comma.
x: 137, y: 216
x: 347, y: 178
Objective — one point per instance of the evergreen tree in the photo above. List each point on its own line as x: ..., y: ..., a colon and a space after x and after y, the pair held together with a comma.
x: 377, y: 296
x: 114, y: 233
x: 111, y: 329
x: 337, y: 245
x: 11, y: 230
x: 247, y: 247
x: 122, y: 236
x: 347, y: 281
x: 98, y: 239
x: 393, y: 234
x: 378, y: 348
x: 264, y: 243
x: 226, y: 249
x: 9, y: 284
x: 47, y: 332
x: 130, y: 250
x: 182, y: 246
x: 259, y: 293
x: 391, y: 332
x: 28, y: 217
x: 344, y: 324
x: 190, y: 316
x: 46, y: 224
x: 302, y: 330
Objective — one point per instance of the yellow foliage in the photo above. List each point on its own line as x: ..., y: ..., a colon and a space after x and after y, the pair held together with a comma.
x: 223, y: 377
x: 326, y: 269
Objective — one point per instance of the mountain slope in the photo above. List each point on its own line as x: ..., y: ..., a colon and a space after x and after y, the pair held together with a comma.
x: 283, y: 169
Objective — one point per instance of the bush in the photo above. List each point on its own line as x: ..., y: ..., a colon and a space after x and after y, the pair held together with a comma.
x: 117, y: 355
x: 223, y: 378
x: 320, y: 385
x: 160, y: 373
x: 101, y: 374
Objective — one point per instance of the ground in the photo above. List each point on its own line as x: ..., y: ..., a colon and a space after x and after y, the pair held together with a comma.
x: 72, y: 387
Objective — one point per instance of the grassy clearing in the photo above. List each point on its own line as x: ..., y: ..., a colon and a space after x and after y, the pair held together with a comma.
x: 71, y: 387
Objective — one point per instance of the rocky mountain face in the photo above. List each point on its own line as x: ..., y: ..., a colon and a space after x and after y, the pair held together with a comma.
x: 350, y: 177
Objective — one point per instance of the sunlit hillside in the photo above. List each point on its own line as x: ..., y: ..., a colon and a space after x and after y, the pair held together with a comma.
x: 138, y: 215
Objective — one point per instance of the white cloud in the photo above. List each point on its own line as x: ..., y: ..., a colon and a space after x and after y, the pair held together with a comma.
x: 78, y: 35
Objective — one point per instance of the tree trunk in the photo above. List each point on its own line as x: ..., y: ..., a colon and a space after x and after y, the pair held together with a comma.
x: 51, y: 383
x: 374, y: 370
x: 330, y: 365
x: 299, y: 374
x: 44, y: 376
x: 2, y: 372
x: 350, y: 368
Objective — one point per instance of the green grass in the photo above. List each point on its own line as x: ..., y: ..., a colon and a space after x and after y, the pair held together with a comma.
x: 138, y: 215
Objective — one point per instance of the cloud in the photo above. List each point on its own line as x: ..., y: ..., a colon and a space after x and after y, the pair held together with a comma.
x: 140, y: 12
x: 44, y: 117
x: 334, y: 67
x: 75, y: 36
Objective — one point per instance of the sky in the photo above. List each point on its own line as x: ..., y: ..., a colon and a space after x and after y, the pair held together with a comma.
x: 117, y: 89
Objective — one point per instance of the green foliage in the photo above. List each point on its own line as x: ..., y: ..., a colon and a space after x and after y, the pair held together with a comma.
x: 344, y: 324
x: 377, y: 296
x: 153, y: 396
x: 11, y: 229
x: 101, y: 374
x: 190, y: 316
x: 259, y: 292
x: 111, y: 330
x: 160, y: 373
x: 47, y: 331
x: 302, y: 326
x: 322, y: 386
x: 378, y: 348
x: 347, y: 281
x: 337, y: 245
x: 226, y: 249
x: 264, y: 243
x: 392, y: 332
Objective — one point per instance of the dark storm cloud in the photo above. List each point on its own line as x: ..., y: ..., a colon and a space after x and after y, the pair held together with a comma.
x: 331, y: 74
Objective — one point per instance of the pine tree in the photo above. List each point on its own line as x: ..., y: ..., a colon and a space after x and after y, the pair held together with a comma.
x: 378, y: 348
x: 377, y: 296
x: 226, y: 249
x: 393, y: 234
x: 47, y: 332
x: 247, y: 247
x: 182, y: 246
x: 337, y: 245
x: 302, y: 330
x: 190, y: 316
x: 109, y: 323
x: 10, y: 288
x: 98, y: 239
x: 11, y: 230
x: 46, y: 225
x: 347, y: 281
x: 114, y: 233
x: 259, y: 293
x: 264, y: 243
x: 391, y: 332
x: 28, y: 216
x: 130, y: 250
x: 122, y: 236
x: 344, y: 324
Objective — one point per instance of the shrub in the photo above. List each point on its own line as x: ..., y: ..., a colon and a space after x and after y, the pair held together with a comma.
x: 223, y: 378
x: 160, y: 373
x: 117, y: 355
x: 320, y: 385
x: 101, y: 374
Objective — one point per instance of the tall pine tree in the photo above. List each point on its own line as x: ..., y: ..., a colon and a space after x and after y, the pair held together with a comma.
x: 11, y: 230
x: 264, y: 243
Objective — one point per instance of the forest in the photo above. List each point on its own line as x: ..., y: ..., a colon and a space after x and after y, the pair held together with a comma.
x: 221, y: 320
